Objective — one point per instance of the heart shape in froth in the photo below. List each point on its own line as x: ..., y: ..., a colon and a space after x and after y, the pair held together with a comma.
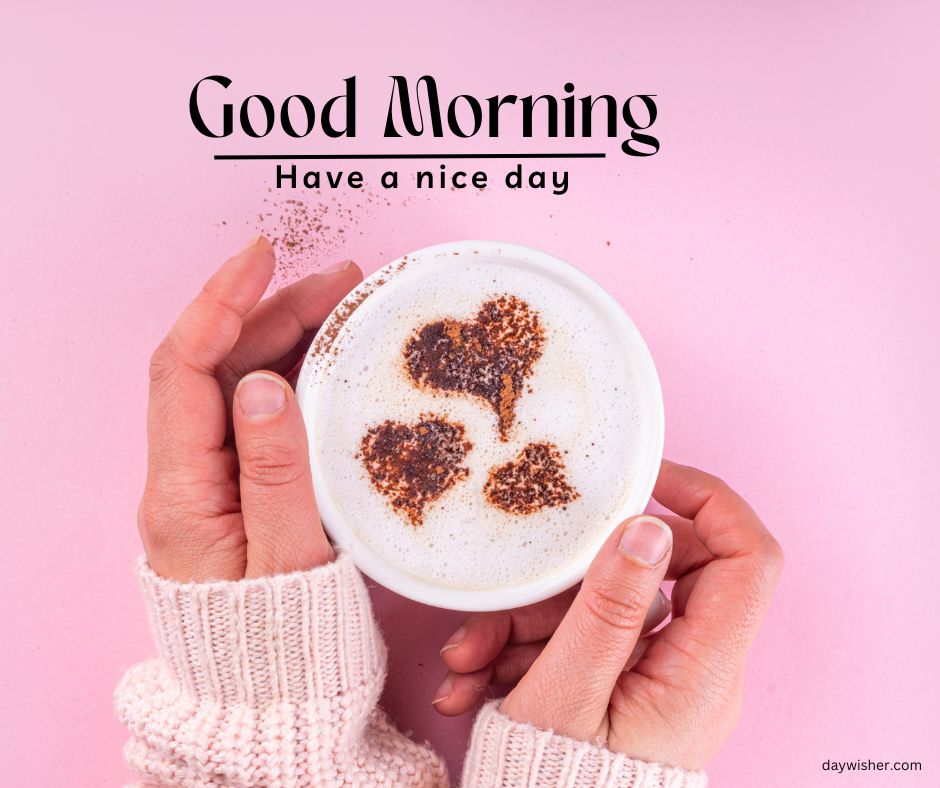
x: 415, y: 464
x: 530, y: 482
x: 488, y: 357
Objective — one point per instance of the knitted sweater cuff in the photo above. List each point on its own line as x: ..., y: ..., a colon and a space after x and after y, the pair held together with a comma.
x: 506, y: 753
x: 301, y: 637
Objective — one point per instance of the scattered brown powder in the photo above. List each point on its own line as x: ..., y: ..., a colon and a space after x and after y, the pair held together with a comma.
x: 326, y: 336
x: 309, y: 233
x: 488, y: 357
x: 311, y: 229
x: 533, y: 480
x: 415, y: 464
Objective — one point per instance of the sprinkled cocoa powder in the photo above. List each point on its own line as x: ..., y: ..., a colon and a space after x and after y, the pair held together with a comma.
x: 307, y: 234
x: 326, y: 336
x: 488, y: 357
x: 415, y: 464
x: 533, y: 480
x: 317, y: 230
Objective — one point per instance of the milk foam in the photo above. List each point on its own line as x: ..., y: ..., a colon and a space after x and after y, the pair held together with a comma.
x: 583, y: 399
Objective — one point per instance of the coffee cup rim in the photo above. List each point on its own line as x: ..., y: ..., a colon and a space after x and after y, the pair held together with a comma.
x: 421, y: 590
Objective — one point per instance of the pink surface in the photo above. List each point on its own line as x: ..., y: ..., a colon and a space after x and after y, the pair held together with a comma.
x: 779, y: 254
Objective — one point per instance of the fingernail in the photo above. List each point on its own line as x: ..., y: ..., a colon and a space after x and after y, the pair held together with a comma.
x: 260, y: 395
x: 646, y: 540
x: 658, y: 611
x: 444, y: 691
x: 253, y: 242
x: 456, y: 639
x: 335, y: 269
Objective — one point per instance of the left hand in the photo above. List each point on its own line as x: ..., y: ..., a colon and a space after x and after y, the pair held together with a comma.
x: 228, y: 492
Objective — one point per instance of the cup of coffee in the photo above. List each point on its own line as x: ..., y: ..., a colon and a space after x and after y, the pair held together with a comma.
x: 481, y: 416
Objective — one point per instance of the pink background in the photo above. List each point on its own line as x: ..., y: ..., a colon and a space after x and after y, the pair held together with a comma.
x: 779, y: 254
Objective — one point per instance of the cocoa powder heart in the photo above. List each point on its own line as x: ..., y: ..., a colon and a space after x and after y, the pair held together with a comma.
x: 415, y: 464
x: 533, y: 480
x: 488, y: 357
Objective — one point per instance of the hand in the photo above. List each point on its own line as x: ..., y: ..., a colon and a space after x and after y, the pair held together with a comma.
x: 671, y: 697
x: 229, y: 493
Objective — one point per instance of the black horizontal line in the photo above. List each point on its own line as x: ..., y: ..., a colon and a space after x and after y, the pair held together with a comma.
x: 354, y: 156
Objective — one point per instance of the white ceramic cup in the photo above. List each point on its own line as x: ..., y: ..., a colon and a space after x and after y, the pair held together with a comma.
x: 645, y: 470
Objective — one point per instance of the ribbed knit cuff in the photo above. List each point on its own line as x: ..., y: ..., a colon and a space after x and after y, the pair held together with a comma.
x: 504, y: 753
x: 302, y: 637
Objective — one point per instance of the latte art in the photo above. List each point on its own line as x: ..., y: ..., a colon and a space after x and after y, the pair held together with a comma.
x: 414, y: 464
x: 533, y: 480
x: 489, y: 357
x: 477, y: 422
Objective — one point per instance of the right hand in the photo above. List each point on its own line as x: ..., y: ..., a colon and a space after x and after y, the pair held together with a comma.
x: 671, y: 697
x: 229, y: 493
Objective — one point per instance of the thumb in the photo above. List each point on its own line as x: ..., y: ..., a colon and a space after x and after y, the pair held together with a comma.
x: 278, y: 507
x: 568, y: 688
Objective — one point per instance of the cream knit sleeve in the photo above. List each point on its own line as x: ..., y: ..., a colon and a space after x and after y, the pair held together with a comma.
x: 505, y: 754
x: 276, y: 681
x: 266, y: 682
